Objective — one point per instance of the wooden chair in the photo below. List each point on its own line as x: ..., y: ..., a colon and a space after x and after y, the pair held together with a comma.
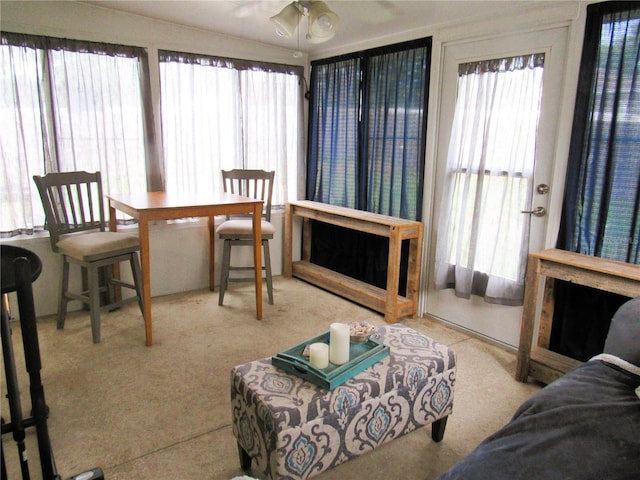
x: 256, y: 184
x: 74, y: 208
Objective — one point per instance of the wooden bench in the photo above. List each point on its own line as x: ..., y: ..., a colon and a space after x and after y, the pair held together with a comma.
x: 388, y: 302
x: 537, y: 361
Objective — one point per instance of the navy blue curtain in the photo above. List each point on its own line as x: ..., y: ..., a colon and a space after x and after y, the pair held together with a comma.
x: 601, y: 212
x: 333, y: 137
x: 395, y: 127
x: 366, y: 149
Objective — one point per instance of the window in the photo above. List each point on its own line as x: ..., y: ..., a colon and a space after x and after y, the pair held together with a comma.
x: 483, y: 238
x: 368, y: 128
x: 68, y: 105
x: 366, y: 149
x: 601, y: 214
x: 221, y: 114
x: 335, y: 113
x: 601, y: 210
x: 75, y: 105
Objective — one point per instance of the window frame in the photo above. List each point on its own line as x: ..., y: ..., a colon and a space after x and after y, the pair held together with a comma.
x: 361, y: 162
x: 50, y: 158
x: 286, y: 178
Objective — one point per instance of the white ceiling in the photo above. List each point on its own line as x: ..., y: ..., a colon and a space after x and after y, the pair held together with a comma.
x: 360, y: 21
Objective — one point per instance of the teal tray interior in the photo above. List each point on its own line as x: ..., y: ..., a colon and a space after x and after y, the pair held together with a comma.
x: 361, y: 356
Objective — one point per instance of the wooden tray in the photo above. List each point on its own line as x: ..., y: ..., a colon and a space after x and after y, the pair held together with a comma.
x: 361, y: 356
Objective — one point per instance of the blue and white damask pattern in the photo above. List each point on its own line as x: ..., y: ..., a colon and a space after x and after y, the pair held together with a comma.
x: 293, y: 429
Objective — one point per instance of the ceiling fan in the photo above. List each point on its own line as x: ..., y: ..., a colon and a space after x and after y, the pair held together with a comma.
x: 322, y: 21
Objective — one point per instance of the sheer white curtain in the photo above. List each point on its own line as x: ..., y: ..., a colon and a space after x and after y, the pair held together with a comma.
x: 200, y: 124
x: 273, y: 130
x: 67, y: 105
x: 482, y: 239
x: 97, y: 109
x: 23, y: 150
x: 216, y: 116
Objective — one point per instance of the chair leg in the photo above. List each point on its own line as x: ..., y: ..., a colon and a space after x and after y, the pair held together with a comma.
x: 85, y: 287
x: 137, y: 279
x: 62, y: 298
x: 108, y: 293
x: 224, y: 270
x: 267, y: 269
x: 94, y: 302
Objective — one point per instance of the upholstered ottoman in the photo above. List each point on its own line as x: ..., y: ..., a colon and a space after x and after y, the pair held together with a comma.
x: 292, y: 429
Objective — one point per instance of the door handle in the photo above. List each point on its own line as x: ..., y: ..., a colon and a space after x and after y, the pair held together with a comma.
x: 538, y: 211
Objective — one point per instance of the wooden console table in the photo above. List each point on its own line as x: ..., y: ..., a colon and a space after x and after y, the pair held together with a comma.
x: 608, y: 275
x: 388, y: 302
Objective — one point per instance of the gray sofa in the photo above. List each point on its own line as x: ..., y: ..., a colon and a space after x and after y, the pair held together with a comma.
x: 585, y: 425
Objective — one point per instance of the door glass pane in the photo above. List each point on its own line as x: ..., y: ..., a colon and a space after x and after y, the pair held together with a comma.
x: 483, y: 234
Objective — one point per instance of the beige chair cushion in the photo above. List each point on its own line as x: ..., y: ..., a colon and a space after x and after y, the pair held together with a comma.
x: 244, y: 228
x: 93, y: 246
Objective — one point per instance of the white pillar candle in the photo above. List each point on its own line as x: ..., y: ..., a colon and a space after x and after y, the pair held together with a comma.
x: 319, y: 355
x: 339, y: 343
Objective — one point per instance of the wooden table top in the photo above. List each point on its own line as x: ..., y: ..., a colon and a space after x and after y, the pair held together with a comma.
x: 160, y: 200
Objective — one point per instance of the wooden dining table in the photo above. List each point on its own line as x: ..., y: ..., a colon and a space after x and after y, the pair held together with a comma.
x: 152, y: 206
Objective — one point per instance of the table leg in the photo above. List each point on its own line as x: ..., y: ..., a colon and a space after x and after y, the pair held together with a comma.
x: 145, y: 263
x: 113, y: 227
x: 257, y: 256
x: 288, y: 240
x: 393, y: 276
x: 212, y: 252
x: 546, y: 313
x: 528, y: 318
x: 413, y: 271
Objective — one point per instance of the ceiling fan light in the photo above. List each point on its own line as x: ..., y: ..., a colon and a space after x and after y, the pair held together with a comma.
x: 287, y: 20
x: 323, y: 22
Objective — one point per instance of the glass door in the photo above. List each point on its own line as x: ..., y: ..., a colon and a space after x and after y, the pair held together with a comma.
x: 498, y: 114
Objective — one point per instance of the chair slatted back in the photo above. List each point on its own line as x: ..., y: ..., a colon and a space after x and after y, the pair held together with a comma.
x: 256, y: 184
x: 73, y: 202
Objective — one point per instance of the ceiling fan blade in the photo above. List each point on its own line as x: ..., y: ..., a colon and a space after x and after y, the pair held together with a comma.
x: 249, y: 8
x: 377, y: 12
